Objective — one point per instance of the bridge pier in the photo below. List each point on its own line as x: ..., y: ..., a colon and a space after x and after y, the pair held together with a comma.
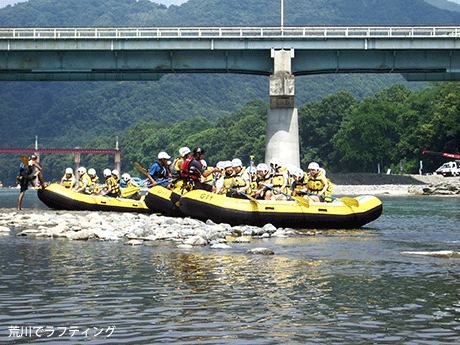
x: 76, y: 161
x: 282, y: 118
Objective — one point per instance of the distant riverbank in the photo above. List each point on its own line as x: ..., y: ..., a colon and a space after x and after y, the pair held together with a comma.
x: 383, y: 184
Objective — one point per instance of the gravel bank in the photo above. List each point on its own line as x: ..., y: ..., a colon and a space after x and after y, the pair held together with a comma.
x: 382, y: 184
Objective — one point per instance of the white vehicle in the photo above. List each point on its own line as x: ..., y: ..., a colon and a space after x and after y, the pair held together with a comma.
x: 449, y: 169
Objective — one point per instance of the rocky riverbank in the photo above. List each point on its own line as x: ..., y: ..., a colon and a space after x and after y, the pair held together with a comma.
x: 135, y: 229
x: 382, y: 184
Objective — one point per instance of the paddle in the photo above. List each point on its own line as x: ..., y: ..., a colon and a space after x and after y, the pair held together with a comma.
x: 247, y: 196
x: 25, y: 160
x: 300, y: 200
x: 346, y: 200
x: 145, y: 172
x: 141, y: 169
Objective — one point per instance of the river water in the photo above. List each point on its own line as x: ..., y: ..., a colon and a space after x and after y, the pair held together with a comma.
x: 338, y: 287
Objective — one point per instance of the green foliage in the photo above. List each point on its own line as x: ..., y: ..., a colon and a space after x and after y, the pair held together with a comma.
x: 218, y: 111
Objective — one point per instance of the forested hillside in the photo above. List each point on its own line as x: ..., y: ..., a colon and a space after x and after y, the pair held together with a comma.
x: 74, y: 114
x: 343, y: 133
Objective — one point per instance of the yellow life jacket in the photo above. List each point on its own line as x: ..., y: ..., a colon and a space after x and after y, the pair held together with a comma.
x: 67, y: 181
x: 316, y: 184
x: 131, y: 183
x: 239, y: 183
x: 83, y: 177
x: 114, y: 182
x: 93, y: 187
x: 263, y: 180
x: 301, y: 183
x: 279, y: 180
x: 328, y: 191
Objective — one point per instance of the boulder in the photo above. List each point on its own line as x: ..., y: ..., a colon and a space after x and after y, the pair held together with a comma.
x: 260, y: 251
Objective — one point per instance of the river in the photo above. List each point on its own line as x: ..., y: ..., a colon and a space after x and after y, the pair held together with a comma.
x: 338, y: 287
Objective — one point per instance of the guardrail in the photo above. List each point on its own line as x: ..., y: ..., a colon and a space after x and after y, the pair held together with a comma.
x: 228, y: 32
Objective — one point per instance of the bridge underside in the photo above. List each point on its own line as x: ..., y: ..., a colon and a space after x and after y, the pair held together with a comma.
x: 110, y: 65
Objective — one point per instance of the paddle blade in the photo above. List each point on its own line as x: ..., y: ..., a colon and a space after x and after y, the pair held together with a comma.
x: 141, y: 169
x: 349, y: 201
x: 129, y: 191
x: 302, y: 201
x: 25, y: 160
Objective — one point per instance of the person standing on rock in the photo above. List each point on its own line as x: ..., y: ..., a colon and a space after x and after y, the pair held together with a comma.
x: 28, y: 175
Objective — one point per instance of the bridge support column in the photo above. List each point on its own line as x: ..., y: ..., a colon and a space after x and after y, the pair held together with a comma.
x: 282, y: 118
x: 76, y: 161
x: 118, y: 161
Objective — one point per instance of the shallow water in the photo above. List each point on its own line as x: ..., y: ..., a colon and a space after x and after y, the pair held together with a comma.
x: 339, y: 287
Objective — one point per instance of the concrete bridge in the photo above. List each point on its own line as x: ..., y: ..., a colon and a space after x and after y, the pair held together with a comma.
x: 50, y: 54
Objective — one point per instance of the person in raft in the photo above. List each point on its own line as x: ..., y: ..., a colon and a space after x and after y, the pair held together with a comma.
x: 316, y: 182
x: 159, y: 173
x: 28, y: 175
x: 84, y: 181
x: 133, y: 186
x: 112, y: 183
x: 176, y: 167
x: 193, y: 171
x: 94, y: 185
x: 68, y: 180
x: 263, y: 177
x: 279, y: 181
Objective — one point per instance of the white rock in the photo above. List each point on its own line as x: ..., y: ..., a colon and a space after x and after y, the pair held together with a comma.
x: 105, y: 235
x: 241, y: 239
x: 260, y: 251
x: 437, y: 254
x: 279, y: 233
x: 79, y: 235
x: 184, y: 246
x: 4, y: 229
x: 27, y: 233
x: 134, y: 243
x: 196, y: 241
x: 220, y: 246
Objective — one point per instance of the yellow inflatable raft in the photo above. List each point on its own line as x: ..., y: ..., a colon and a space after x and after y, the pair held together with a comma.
x: 60, y: 198
x: 332, y: 215
x: 164, y: 201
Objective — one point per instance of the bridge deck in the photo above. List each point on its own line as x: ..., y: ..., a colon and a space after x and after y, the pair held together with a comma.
x: 419, y: 53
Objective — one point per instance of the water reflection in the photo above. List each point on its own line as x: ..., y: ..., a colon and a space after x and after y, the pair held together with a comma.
x: 339, y: 287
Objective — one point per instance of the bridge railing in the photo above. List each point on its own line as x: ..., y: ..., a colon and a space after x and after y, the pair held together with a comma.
x: 228, y: 32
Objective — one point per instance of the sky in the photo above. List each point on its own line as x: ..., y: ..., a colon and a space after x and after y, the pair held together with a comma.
x: 4, y: 3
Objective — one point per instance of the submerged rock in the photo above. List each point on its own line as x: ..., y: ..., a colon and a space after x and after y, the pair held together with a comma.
x: 260, y: 251
x: 437, y: 254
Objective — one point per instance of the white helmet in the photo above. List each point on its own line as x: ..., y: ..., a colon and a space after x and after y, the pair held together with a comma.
x: 126, y: 177
x: 81, y: 170
x: 227, y: 164
x: 91, y: 171
x: 69, y: 171
x: 163, y: 155
x: 298, y: 173
x: 220, y: 165
x: 236, y: 162
x: 204, y: 164
x: 275, y: 163
x: 313, y: 166
x: 116, y: 172
x: 107, y: 172
x: 262, y: 167
x: 183, y: 151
